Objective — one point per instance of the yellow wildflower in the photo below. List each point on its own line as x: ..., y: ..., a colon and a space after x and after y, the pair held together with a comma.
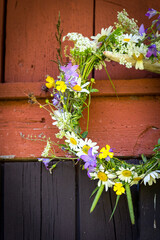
x: 61, y: 86
x: 50, y: 82
x: 104, y: 153
x: 118, y: 188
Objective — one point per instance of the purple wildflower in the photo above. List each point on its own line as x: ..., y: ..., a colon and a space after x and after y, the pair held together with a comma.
x: 70, y: 71
x: 90, y: 160
x: 152, y: 50
x: 56, y: 100
x: 141, y: 30
x: 151, y: 12
x: 157, y: 22
x: 45, y: 161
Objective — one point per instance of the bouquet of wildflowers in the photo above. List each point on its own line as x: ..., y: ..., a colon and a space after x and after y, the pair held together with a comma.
x: 71, y: 94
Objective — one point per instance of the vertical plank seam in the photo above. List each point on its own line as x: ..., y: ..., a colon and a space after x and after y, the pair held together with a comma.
x: 77, y: 204
x: 114, y: 226
x: 2, y: 201
x: 41, y: 201
x: 3, y: 41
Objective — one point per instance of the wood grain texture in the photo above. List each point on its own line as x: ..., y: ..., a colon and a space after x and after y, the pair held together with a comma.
x: 2, y: 2
x: 31, y: 42
x: 129, y: 125
x: 1, y: 201
x: 106, y: 15
x: 95, y: 225
x: 58, y: 203
x: 123, y: 227
x: 17, y: 91
x: 22, y: 201
x: 149, y: 209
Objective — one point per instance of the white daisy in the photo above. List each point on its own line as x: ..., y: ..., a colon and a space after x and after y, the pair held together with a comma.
x: 72, y: 140
x: 136, y: 178
x: 125, y: 174
x: 78, y: 88
x: 104, y: 32
x: 85, y: 145
x: 151, y: 177
x: 130, y: 38
x: 104, y: 176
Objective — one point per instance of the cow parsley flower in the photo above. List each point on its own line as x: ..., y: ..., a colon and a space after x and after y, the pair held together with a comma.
x: 62, y: 119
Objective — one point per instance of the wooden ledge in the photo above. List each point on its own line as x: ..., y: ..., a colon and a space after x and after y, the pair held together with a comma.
x: 140, y: 87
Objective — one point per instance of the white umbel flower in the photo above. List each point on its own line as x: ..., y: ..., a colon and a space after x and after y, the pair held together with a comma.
x: 62, y: 119
x: 151, y: 177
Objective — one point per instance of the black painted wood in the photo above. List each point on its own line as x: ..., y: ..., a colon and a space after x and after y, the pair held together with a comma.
x: 41, y: 206
x: 123, y: 227
x: 1, y: 202
x: 149, y: 216
x: 22, y: 201
x: 95, y: 225
x: 58, y: 202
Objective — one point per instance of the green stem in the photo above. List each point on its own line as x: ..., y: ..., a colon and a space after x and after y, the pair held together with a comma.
x: 97, y: 198
x: 130, y: 203
x: 89, y: 102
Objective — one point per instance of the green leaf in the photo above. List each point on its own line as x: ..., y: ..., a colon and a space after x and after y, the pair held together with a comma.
x: 159, y: 141
x: 144, y: 158
x: 101, y: 39
x: 94, y: 191
x: 117, y: 199
x: 97, y: 198
x: 94, y: 90
x: 84, y: 134
x: 130, y: 203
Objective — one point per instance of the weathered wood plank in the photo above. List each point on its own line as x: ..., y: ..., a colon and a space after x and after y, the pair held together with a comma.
x: 58, y: 203
x: 1, y: 202
x: 14, y: 91
x: 31, y: 42
x: 149, y: 215
x: 95, y: 225
x: 123, y: 227
x: 2, y: 25
x: 106, y: 15
x: 22, y: 213
x: 129, y: 125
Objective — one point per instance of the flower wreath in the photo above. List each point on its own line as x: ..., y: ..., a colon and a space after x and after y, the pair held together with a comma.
x: 72, y: 88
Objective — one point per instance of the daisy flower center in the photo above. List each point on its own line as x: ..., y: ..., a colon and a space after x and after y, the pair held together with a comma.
x: 140, y: 58
x: 126, y: 39
x: 137, y: 178
x: 73, y: 141
x: 126, y: 173
x: 77, y: 88
x: 102, y: 176
x: 85, y: 149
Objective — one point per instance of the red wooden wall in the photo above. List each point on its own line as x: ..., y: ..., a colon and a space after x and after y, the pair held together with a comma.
x: 129, y: 124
